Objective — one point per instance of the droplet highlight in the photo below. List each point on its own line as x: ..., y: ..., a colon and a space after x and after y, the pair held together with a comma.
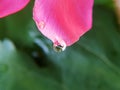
x: 59, y: 47
x: 41, y: 25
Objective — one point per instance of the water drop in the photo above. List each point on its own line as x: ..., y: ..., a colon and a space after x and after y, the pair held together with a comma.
x: 41, y: 24
x: 59, y: 47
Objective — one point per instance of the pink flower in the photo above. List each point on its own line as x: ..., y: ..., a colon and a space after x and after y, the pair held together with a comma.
x: 8, y: 7
x: 62, y: 21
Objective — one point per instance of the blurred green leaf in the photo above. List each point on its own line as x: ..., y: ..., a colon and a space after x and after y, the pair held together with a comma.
x: 107, y: 3
x: 103, y: 1
x: 19, y: 72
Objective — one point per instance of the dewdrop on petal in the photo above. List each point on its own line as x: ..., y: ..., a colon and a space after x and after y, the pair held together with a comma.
x: 41, y: 24
x: 63, y: 21
x: 59, y: 47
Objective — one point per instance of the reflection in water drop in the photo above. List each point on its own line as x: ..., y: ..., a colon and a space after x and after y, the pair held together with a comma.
x: 59, y: 47
x: 41, y: 24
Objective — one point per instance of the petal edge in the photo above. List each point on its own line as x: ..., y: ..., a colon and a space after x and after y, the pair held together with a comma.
x: 8, y: 7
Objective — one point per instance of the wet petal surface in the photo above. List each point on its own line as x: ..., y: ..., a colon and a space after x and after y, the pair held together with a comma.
x: 63, y: 21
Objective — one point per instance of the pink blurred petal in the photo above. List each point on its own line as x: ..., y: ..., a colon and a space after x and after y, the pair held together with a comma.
x: 63, y: 21
x: 8, y: 7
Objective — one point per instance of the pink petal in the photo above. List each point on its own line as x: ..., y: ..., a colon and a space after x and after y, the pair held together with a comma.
x: 63, y: 21
x: 8, y: 7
